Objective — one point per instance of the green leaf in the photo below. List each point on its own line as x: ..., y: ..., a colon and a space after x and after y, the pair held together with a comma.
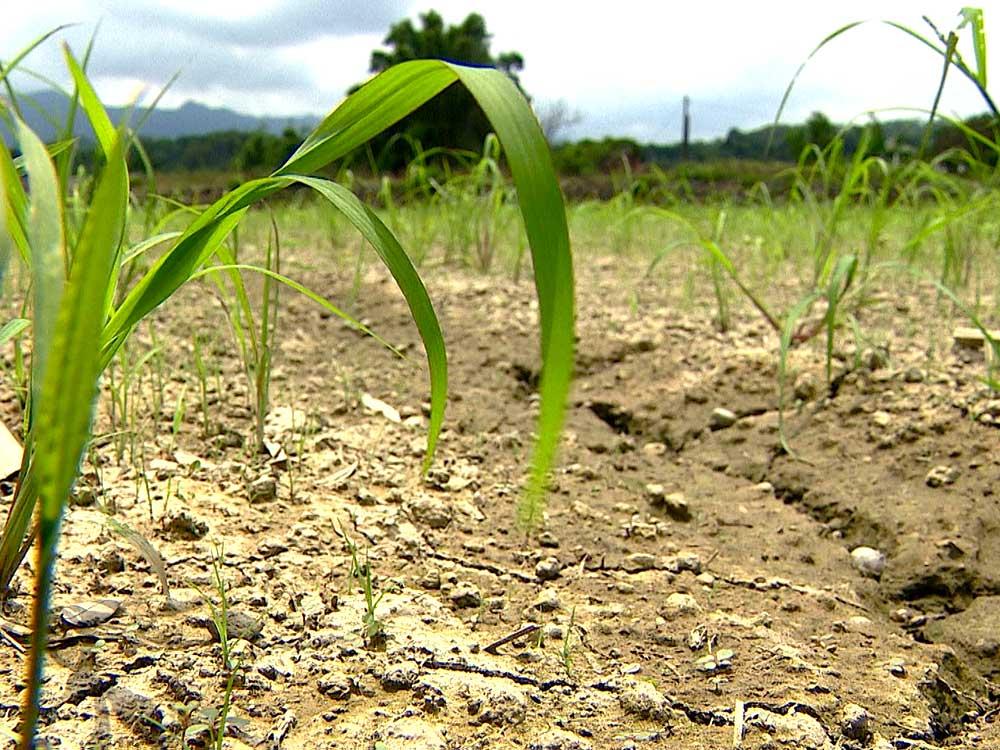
x: 375, y: 106
x: 402, y: 270
x: 12, y: 328
x: 974, y: 18
x: 544, y: 217
x: 63, y: 408
x: 104, y: 130
x: 13, y: 212
x: 47, y: 244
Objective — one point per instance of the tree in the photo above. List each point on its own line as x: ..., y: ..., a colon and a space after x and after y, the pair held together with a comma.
x: 453, y: 119
x: 556, y: 118
x: 818, y: 131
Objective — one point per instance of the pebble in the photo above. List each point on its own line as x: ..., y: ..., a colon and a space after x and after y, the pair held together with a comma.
x: 263, y: 490
x: 806, y: 387
x: 431, y: 579
x: 185, y: 526
x: 547, y: 539
x: 941, y: 475
x: 638, y: 562
x: 431, y: 511
x: 867, y: 561
x: 674, y: 503
x: 401, y: 676
x: 654, y: 450
x: 548, y: 569
x: 641, y: 698
x: 415, y: 734
x: 856, y: 723
x: 465, y: 596
x: 498, y: 705
x: 337, y: 686
x: 239, y: 625
x: 547, y: 600
x: 557, y: 739
x: 678, y: 605
x: 881, y: 418
x: 875, y: 358
x: 682, y: 561
x: 721, y: 418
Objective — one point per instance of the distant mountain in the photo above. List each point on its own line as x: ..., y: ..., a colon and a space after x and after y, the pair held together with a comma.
x: 42, y: 109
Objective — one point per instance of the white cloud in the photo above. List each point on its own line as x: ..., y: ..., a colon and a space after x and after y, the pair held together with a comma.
x: 625, y: 65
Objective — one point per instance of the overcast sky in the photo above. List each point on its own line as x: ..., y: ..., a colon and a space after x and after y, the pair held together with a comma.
x: 623, y: 66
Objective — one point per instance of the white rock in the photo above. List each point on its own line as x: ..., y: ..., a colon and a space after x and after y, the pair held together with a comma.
x: 678, y: 604
x: 867, y: 561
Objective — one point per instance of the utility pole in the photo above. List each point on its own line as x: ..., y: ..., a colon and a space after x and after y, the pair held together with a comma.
x: 687, y: 128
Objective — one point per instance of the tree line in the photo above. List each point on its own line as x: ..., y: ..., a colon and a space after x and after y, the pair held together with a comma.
x: 454, y: 121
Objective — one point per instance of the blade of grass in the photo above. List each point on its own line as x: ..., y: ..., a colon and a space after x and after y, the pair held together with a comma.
x: 47, y: 242
x: 544, y: 215
x: 64, y: 407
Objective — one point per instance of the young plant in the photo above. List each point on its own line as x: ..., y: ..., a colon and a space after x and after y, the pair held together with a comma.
x: 372, y: 628
x: 83, y: 312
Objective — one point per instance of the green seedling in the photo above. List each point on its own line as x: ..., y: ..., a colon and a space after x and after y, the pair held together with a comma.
x: 84, y: 307
x: 372, y: 629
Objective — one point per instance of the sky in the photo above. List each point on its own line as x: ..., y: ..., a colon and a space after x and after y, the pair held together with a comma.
x: 623, y: 68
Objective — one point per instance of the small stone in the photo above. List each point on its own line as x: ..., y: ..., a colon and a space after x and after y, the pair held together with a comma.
x: 415, y: 734
x: 557, y: 739
x: 239, y: 626
x: 163, y: 468
x: 184, y: 526
x: 678, y: 605
x: 914, y: 375
x: 547, y: 539
x: 654, y: 450
x: 690, y: 561
x: 655, y: 493
x: 897, y: 667
x: 431, y: 512
x: 641, y: 698
x: 638, y: 562
x: 431, y: 579
x: 548, y: 569
x: 806, y: 387
x: 875, y: 358
x: 856, y: 723
x: 705, y: 579
x: 336, y: 686
x: 401, y: 676
x: 941, y: 475
x: 547, y: 600
x: 721, y: 418
x: 676, y: 506
x: 904, y: 615
x: 498, y: 704
x: 881, y: 418
x: 465, y: 596
x: 263, y: 490
x: 867, y: 561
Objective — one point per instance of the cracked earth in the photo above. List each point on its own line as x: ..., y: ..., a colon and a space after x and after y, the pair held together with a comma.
x: 694, y: 585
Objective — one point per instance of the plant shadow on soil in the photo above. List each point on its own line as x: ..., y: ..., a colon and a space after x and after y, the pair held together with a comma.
x: 708, y: 570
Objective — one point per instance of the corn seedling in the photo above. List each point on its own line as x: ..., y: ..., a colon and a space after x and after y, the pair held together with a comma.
x: 372, y: 629
x: 84, y: 308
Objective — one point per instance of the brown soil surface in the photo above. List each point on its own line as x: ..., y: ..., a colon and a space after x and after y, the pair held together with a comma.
x: 702, y: 576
